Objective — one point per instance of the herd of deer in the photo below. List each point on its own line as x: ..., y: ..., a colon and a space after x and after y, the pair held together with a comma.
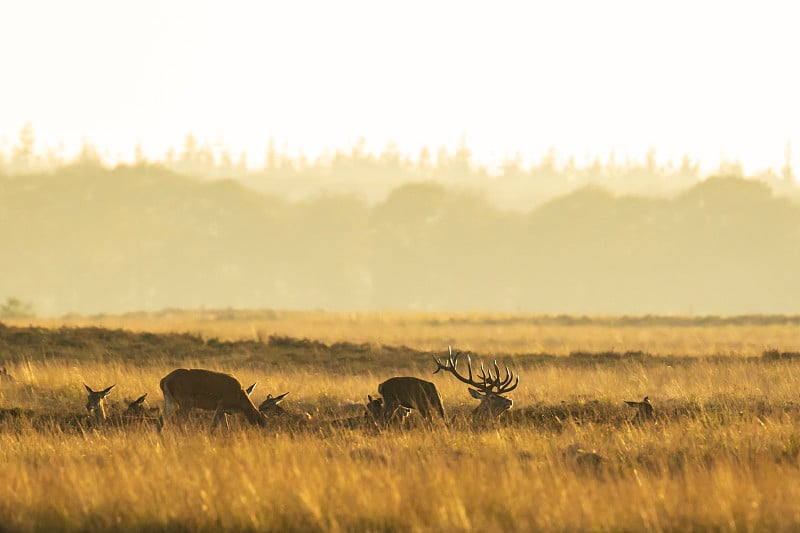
x: 223, y: 394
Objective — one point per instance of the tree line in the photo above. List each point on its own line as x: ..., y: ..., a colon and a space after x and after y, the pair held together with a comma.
x: 514, y: 184
x: 89, y: 239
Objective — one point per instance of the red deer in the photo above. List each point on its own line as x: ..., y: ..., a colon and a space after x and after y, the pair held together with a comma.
x: 644, y: 411
x: 410, y: 393
x: 273, y: 411
x: 186, y: 389
x: 95, y: 403
x: 377, y: 413
x: 489, y: 387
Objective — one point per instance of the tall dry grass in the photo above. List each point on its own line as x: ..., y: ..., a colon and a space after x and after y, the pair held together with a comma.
x: 722, y: 455
x: 692, y: 476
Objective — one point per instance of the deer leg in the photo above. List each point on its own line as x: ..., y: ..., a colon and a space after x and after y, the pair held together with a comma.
x: 166, y: 415
x: 424, y: 408
x: 218, y: 418
x: 215, y: 419
x: 182, y: 413
x: 169, y: 407
x: 389, y: 407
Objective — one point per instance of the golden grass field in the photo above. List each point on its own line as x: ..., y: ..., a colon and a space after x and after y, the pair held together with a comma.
x: 722, y: 455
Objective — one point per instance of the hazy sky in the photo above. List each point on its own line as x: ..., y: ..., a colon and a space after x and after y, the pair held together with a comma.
x: 711, y: 79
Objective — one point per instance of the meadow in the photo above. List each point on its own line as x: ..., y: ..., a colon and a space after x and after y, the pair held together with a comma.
x: 722, y: 453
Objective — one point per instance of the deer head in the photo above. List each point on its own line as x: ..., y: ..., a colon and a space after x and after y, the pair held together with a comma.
x: 271, y: 407
x: 488, y: 388
x: 94, y: 402
x: 644, y: 411
x: 378, y: 413
x: 136, y: 407
x: 272, y: 410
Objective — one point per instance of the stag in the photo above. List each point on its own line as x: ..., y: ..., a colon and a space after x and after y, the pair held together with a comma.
x: 185, y: 389
x: 489, y: 388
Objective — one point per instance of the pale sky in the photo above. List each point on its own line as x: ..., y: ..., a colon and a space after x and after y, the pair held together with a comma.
x: 710, y: 79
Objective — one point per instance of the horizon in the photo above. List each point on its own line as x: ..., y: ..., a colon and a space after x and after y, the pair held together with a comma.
x: 49, y: 157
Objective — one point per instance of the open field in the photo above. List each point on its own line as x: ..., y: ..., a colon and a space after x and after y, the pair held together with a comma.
x: 486, y: 332
x: 723, y: 453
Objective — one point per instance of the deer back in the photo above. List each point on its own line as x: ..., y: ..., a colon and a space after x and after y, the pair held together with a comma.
x: 206, y: 389
x: 413, y: 393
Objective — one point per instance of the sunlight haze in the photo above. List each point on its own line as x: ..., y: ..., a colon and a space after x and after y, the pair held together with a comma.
x: 714, y: 80
x: 595, y: 203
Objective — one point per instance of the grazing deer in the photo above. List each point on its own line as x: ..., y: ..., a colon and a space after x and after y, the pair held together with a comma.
x: 272, y: 410
x: 185, y: 389
x: 95, y: 403
x: 488, y: 390
x: 644, y: 411
x: 136, y: 410
x: 409, y: 393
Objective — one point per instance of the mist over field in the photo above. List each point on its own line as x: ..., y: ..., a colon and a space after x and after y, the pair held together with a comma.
x: 356, y: 231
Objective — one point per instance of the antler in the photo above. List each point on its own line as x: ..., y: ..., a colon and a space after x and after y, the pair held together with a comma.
x: 494, y: 381
x: 450, y: 366
x: 500, y: 386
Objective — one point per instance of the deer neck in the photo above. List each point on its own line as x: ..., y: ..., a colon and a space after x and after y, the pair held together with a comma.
x: 253, y: 415
x: 100, y: 413
x: 487, y: 411
x: 483, y: 411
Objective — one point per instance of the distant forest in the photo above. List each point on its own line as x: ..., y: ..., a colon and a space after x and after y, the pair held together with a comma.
x: 513, y: 185
x: 89, y: 239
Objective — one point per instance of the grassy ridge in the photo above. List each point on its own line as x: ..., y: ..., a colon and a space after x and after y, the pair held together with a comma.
x: 491, y: 333
x: 723, y: 454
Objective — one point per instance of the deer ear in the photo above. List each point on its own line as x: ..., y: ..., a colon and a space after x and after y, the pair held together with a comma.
x: 280, y: 398
x: 90, y: 391
x: 139, y: 400
x: 475, y: 394
x: 106, y: 391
